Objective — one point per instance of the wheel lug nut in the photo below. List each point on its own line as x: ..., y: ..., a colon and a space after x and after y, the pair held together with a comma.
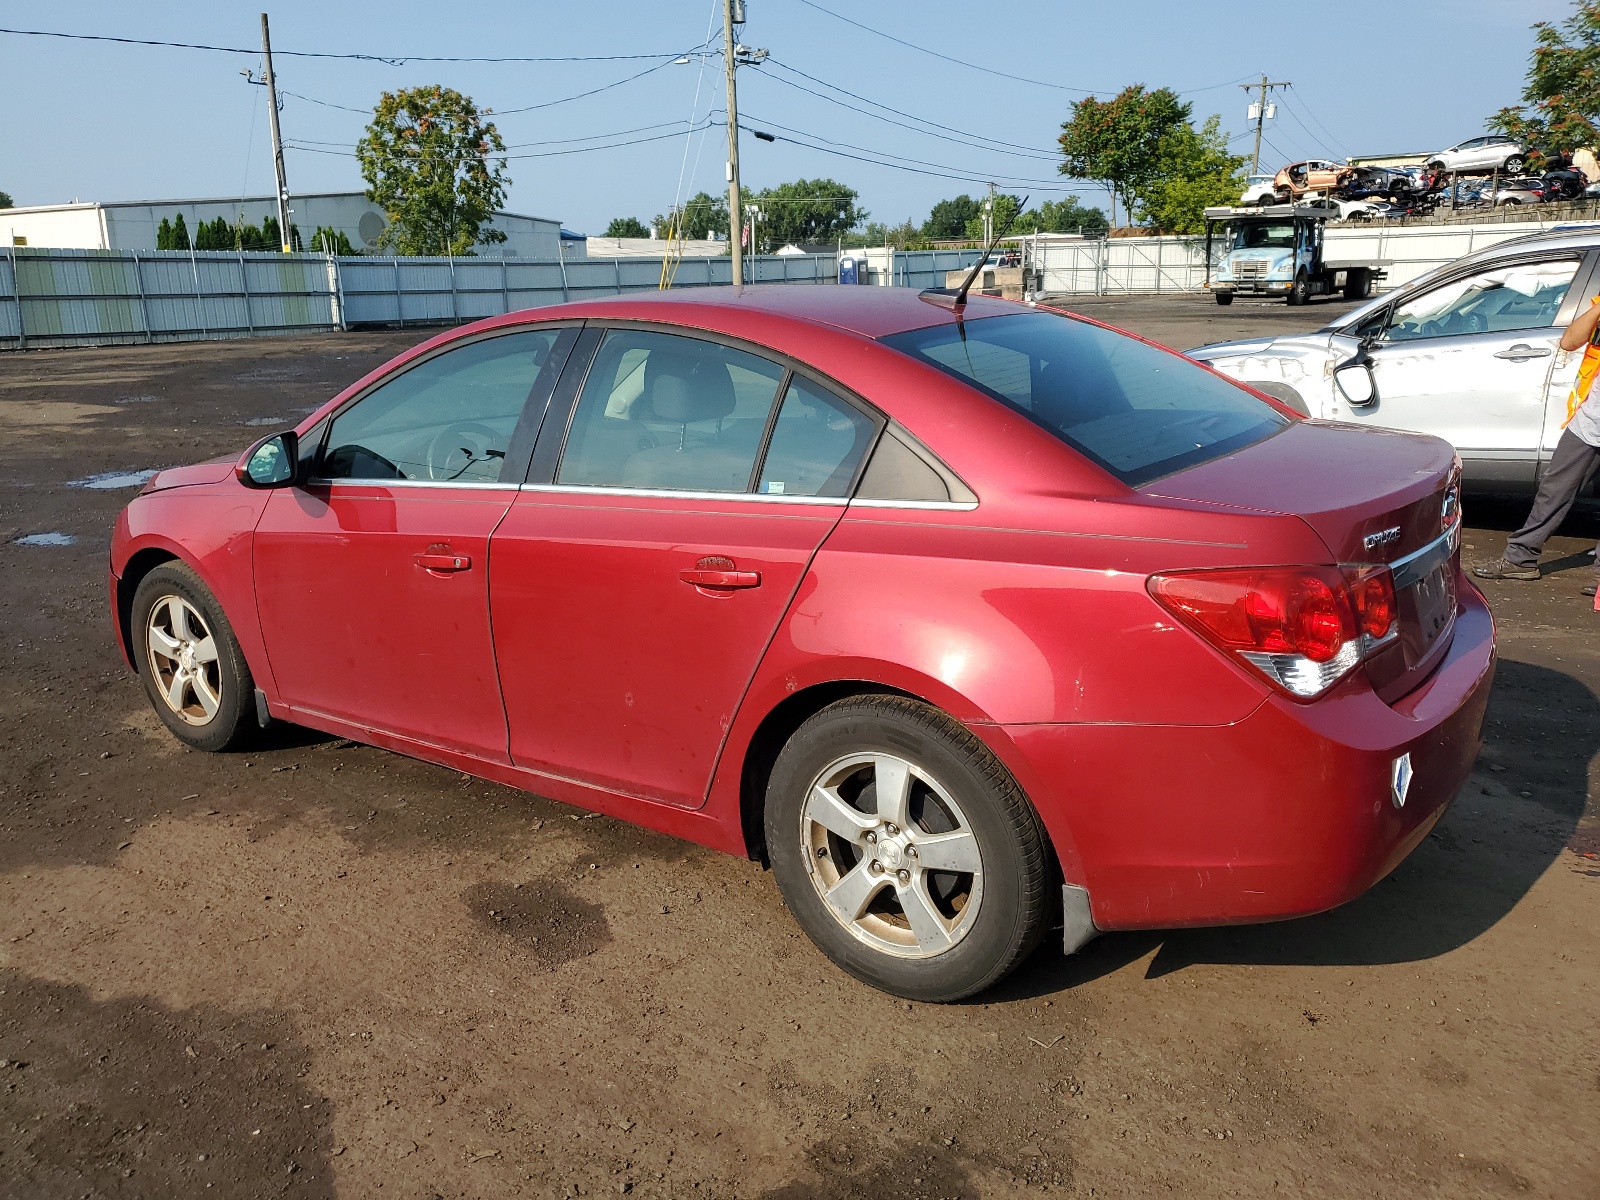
x: 872, y: 838
x: 903, y: 875
x: 911, y: 851
x: 891, y: 830
x: 875, y: 867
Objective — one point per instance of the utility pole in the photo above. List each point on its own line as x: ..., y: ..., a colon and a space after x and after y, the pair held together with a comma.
x: 735, y: 216
x: 988, y: 216
x: 1261, y: 114
x: 277, y: 138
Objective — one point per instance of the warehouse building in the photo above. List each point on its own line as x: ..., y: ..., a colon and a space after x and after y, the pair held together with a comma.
x: 132, y: 224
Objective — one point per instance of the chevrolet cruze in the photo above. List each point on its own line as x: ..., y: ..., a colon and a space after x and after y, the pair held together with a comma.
x: 973, y: 621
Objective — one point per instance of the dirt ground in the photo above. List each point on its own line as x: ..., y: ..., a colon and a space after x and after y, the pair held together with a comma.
x: 318, y: 969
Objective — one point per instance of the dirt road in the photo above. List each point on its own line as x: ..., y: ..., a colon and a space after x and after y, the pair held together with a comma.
x: 317, y: 969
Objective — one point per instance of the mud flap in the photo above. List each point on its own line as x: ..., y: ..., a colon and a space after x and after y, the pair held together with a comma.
x: 263, y: 717
x: 1077, y: 925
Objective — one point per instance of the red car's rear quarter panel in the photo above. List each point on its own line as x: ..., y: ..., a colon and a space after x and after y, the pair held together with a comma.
x: 1283, y: 813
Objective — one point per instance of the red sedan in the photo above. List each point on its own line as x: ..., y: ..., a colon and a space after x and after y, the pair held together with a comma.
x: 971, y: 623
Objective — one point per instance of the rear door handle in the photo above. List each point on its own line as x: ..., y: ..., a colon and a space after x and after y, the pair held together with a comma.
x: 719, y: 577
x: 430, y: 560
x: 1520, y: 352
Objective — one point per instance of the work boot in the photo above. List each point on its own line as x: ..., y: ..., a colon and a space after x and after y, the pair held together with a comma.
x: 1499, y: 568
x: 1588, y: 589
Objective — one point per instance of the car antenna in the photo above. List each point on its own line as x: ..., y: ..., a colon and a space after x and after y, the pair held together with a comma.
x: 957, y: 300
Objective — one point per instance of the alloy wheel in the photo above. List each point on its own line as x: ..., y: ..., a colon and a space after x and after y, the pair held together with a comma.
x: 183, y: 660
x: 891, y: 854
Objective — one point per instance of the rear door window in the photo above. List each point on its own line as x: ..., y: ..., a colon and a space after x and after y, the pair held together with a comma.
x: 1138, y: 411
x: 663, y: 412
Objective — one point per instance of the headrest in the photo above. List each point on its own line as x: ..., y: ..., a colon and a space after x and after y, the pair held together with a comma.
x: 681, y: 390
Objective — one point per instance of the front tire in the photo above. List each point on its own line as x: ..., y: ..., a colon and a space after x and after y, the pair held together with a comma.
x: 1299, y: 291
x: 905, y: 850
x: 189, y: 660
x: 1224, y: 298
x: 1514, y: 164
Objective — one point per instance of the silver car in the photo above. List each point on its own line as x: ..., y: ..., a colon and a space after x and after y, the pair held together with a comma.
x: 1468, y: 352
x: 1493, y: 152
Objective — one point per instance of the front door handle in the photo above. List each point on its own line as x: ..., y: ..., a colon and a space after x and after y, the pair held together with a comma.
x: 430, y: 560
x: 716, y: 571
x: 1521, y: 352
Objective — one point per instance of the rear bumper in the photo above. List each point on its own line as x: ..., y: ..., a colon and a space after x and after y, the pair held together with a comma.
x: 1285, y: 813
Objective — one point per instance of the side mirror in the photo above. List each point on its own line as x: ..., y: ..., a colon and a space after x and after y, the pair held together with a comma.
x: 271, y: 462
x: 1355, y: 382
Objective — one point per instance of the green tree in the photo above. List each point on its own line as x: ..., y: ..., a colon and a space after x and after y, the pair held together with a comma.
x: 5, y: 200
x: 1117, y: 142
x: 1560, y: 107
x: 180, y: 233
x: 807, y: 210
x: 428, y: 159
x: 630, y: 227
x: 327, y: 240
x: 164, y: 235
x: 1070, y: 216
x: 1196, y: 171
x: 949, y: 218
x: 703, y: 214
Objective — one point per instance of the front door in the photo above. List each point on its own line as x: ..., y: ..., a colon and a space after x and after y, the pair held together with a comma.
x: 372, y: 579
x: 1467, y: 361
x: 635, y: 590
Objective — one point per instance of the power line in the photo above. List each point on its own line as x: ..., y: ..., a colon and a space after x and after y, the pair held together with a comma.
x: 1340, y: 146
x: 390, y: 59
x: 350, y: 152
x: 1030, y: 150
x: 947, y: 58
x: 960, y: 139
x: 941, y: 172
x: 593, y: 137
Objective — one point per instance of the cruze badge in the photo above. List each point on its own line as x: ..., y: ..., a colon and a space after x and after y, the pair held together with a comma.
x: 1382, y: 538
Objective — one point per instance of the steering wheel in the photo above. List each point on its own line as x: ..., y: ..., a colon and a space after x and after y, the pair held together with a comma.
x: 458, y: 446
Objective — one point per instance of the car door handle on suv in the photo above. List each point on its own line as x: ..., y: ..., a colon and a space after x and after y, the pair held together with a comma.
x: 719, y: 572
x: 1521, y: 352
x: 432, y: 560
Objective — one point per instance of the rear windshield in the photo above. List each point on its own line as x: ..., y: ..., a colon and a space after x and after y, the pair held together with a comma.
x: 1137, y: 411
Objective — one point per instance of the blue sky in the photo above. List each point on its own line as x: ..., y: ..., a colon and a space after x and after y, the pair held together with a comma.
x: 95, y: 121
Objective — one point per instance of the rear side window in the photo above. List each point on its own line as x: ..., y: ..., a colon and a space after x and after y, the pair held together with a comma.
x: 816, y: 444
x: 1137, y: 411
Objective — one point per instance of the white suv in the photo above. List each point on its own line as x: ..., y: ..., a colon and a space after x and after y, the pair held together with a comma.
x: 1489, y: 153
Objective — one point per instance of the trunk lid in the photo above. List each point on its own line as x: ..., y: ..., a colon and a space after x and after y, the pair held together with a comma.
x: 1374, y: 497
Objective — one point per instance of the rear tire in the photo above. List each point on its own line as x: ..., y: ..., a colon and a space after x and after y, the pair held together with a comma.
x: 189, y: 660
x: 859, y: 873
x: 1224, y: 298
x: 1514, y: 164
x: 1357, y: 285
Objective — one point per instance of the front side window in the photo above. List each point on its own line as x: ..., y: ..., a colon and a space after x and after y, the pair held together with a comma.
x: 661, y: 411
x: 448, y: 419
x: 1523, y: 296
x: 1138, y: 411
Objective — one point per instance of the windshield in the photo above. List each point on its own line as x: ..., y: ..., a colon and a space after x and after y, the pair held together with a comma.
x: 1257, y: 236
x: 1135, y: 409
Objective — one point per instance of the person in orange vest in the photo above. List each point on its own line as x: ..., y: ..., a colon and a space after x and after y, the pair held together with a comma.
x: 1570, y: 467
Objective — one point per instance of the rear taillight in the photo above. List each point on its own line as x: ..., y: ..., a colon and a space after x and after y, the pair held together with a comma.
x: 1303, y: 628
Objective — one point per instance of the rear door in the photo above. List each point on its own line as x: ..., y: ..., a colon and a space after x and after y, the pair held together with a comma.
x: 1468, y: 360
x: 640, y: 574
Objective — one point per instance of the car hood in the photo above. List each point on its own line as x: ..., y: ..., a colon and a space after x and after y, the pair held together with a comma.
x: 213, y: 470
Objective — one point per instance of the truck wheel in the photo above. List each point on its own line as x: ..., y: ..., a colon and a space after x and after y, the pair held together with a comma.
x: 1224, y: 298
x: 1300, y: 291
x: 1357, y: 285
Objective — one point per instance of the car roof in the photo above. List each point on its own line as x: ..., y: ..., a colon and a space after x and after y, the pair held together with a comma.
x: 868, y: 311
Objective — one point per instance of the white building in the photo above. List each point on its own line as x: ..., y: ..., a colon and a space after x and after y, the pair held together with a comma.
x: 132, y: 224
